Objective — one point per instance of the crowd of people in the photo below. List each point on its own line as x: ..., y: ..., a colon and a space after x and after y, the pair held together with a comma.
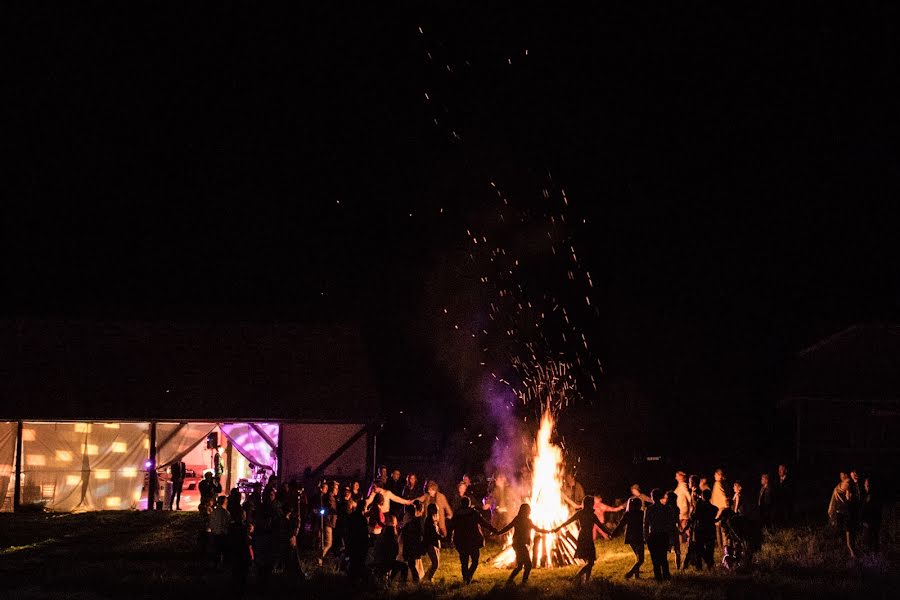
x: 387, y: 529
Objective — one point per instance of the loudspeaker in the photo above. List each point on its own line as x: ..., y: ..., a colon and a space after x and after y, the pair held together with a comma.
x: 212, y: 440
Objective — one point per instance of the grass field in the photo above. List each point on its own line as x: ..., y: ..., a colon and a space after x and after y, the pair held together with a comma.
x: 142, y: 555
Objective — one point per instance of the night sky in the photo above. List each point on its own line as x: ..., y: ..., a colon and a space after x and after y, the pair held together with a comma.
x: 734, y: 174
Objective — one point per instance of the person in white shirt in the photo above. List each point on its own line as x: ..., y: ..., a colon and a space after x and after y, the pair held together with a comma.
x: 685, y: 507
x: 719, y: 499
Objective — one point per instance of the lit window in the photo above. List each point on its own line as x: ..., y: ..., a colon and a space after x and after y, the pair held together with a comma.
x: 36, y: 460
x: 113, y: 502
x: 111, y: 425
x: 73, y: 479
x: 28, y: 435
x: 129, y: 472
x: 82, y: 427
x: 146, y: 444
x: 101, y: 473
x: 92, y: 450
x: 63, y: 456
x: 47, y: 490
x: 119, y: 447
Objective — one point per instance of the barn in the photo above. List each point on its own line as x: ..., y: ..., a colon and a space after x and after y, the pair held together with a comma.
x: 844, y: 398
x: 92, y: 413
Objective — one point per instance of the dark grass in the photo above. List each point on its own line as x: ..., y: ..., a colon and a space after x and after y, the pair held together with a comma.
x: 142, y: 555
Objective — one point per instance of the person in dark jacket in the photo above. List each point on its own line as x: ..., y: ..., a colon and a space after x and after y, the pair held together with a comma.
x: 703, y: 531
x: 411, y: 533
x: 522, y: 527
x: 660, y: 526
x: 738, y: 504
x: 325, y: 507
x: 468, y: 537
x: 209, y: 488
x: 178, y: 470
x: 870, y: 515
x: 357, y: 542
x: 783, y: 498
x: 387, y: 549
x: 632, y: 523
x: 765, y: 501
x: 584, y: 545
x: 431, y: 540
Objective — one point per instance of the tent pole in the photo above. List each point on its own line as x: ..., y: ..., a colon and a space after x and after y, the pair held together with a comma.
x: 279, y: 450
x: 152, y: 481
x: 17, y: 489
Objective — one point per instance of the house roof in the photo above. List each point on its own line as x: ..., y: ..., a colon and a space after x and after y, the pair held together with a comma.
x: 861, y: 362
x: 89, y: 370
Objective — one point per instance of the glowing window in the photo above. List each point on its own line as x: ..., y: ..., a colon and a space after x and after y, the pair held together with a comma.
x: 113, y: 502
x: 28, y: 435
x: 73, y: 479
x: 119, y: 447
x: 92, y: 450
x: 146, y: 444
x: 47, y: 490
x: 63, y: 456
x: 82, y: 427
x: 111, y: 425
x: 101, y: 473
x: 129, y: 472
x: 36, y: 460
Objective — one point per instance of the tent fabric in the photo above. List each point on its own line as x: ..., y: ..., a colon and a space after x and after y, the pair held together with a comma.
x: 258, y: 442
x: 7, y: 461
x: 84, y: 466
x: 175, y: 440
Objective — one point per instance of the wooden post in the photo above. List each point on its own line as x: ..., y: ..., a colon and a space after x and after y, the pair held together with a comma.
x: 152, y: 478
x: 17, y: 489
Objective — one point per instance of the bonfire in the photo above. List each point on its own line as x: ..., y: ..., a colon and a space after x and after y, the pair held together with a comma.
x: 548, y: 509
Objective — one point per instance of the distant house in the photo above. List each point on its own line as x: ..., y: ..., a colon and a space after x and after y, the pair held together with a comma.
x: 89, y: 410
x: 844, y: 393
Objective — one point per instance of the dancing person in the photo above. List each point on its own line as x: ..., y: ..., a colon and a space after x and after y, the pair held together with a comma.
x: 387, y: 548
x: 375, y: 516
x: 178, y: 470
x: 433, y: 495
x: 600, y: 509
x: 660, y: 521
x: 395, y: 486
x: 522, y: 527
x: 584, y: 545
x: 411, y: 540
x: 670, y: 501
x: 703, y: 531
x: 632, y: 524
x: 840, y: 515
x: 764, y: 502
x: 431, y: 540
x: 468, y: 537
x: 636, y: 492
x: 357, y: 542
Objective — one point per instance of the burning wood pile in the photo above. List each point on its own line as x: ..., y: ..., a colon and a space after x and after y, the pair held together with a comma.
x: 548, y: 509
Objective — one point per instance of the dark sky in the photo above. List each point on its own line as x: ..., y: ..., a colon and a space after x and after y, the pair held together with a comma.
x: 737, y: 171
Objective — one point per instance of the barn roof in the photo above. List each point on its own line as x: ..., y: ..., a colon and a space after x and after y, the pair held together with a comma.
x: 89, y: 370
x: 860, y: 362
